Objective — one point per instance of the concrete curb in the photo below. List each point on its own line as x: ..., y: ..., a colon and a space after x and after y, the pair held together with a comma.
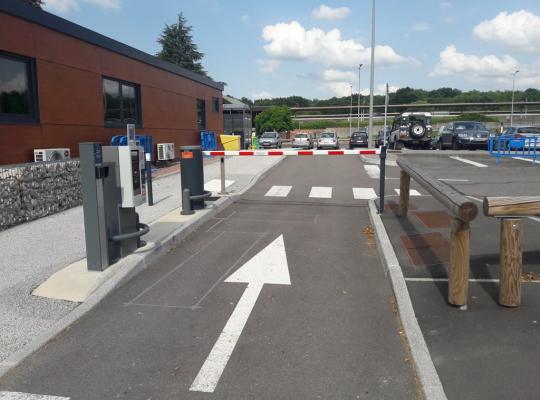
x: 132, y: 265
x: 429, y: 379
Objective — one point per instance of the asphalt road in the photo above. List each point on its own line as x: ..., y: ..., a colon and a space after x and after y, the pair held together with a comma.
x: 330, y: 334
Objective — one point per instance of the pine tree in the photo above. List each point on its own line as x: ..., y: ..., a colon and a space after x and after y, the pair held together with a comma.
x: 35, y: 3
x: 178, y: 47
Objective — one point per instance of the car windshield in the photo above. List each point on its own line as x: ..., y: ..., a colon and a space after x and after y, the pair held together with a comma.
x: 328, y: 135
x: 301, y: 136
x: 359, y: 134
x: 469, y: 126
x: 529, y: 129
x: 268, y: 135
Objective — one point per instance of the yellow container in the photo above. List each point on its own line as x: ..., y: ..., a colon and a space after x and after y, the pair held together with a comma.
x: 230, y: 142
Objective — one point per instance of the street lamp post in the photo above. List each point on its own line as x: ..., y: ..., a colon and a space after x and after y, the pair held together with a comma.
x: 350, y: 115
x: 359, y: 91
x: 372, y: 78
x: 513, y: 91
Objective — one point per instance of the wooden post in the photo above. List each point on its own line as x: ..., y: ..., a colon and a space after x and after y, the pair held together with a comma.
x: 458, y: 282
x: 511, y: 262
x: 404, y: 185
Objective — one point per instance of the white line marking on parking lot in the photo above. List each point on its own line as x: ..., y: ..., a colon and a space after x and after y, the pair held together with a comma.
x: 412, y: 192
x: 320, y: 192
x: 28, y: 396
x: 364, y: 193
x: 278, y: 191
x: 452, y: 180
x: 215, y: 185
x: 373, y: 171
x: 269, y: 266
x: 480, y: 280
x: 524, y: 159
x: 464, y: 160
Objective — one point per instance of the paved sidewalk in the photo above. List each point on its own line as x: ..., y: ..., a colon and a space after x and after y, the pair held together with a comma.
x: 34, y: 251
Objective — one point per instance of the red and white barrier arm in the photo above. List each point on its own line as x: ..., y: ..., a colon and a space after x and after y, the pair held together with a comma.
x: 290, y: 152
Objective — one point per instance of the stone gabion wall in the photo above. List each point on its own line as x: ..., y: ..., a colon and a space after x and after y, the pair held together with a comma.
x: 32, y: 191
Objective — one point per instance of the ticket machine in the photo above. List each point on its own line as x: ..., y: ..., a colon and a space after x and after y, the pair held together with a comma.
x: 112, y: 180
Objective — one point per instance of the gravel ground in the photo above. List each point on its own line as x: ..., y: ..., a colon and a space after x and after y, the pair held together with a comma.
x: 32, y: 252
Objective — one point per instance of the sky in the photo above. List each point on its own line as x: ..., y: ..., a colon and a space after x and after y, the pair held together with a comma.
x: 313, y: 49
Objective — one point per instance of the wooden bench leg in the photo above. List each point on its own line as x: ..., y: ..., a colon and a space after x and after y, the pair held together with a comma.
x: 511, y: 262
x: 458, y: 282
x: 404, y: 186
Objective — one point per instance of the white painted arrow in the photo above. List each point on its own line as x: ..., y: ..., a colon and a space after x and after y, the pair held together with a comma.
x: 269, y: 266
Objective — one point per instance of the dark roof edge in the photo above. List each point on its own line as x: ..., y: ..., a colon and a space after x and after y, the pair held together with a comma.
x: 35, y: 15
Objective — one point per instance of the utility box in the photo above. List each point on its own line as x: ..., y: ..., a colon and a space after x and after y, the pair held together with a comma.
x: 192, y: 174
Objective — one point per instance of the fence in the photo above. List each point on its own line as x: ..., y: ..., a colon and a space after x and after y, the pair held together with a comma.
x: 32, y: 191
x: 512, y: 146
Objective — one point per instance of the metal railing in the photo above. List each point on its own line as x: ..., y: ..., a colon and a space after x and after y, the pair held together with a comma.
x: 510, y: 146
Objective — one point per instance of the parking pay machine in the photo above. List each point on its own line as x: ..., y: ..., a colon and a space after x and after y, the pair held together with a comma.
x: 112, y: 180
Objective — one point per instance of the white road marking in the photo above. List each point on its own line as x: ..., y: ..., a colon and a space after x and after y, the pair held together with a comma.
x: 475, y: 199
x: 452, y: 180
x: 278, y: 191
x: 364, y: 193
x: 535, y: 219
x: 524, y: 159
x: 373, y: 171
x: 412, y: 192
x: 320, y: 192
x: 269, y: 266
x: 214, y: 185
x: 464, y: 160
x: 28, y: 396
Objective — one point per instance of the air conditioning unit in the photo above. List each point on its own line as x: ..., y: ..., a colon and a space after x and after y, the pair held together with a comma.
x: 51, y: 155
x: 165, y: 151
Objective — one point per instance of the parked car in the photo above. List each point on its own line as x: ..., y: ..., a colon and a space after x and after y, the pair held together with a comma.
x: 358, y: 139
x: 524, y: 136
x: 411, y: 129
x: 464, y: 134
x: 270, y: 140
x: 380, y: 140
x: 328, y: 140
x: 302, y: 140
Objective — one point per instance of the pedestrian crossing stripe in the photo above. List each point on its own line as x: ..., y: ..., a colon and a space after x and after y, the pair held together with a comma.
x: 28, y: 396
x: 412, y: 192
x: 364, y: 193
x: 320, y: 192
x: 214, y: 185
x: 278, y: 191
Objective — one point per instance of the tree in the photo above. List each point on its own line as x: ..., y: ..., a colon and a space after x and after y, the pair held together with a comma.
x: 274, y: 119
x: 178, y: 47
x: 35, y: 3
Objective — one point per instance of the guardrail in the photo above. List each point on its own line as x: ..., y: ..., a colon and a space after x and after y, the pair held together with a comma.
x: 510, y: 146
x: 463, y: 212
x: 510, y: 211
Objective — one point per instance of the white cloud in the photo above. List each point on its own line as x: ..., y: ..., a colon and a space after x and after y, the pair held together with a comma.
x: 452, y: 62
x: 268, y: 66
x: 66, y: 6
x: 290, y: 41
x: 333, y: 75
x: 329, y: 13
x: 518, y: 31
x: 244, y: 18
x: 338, y: 89
x: 420, y: 27
x: 263, y: 94
x: 446, y: 4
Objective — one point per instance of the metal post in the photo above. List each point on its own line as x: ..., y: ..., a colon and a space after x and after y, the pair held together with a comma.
x: 372, y: 78
x: 382, y: 179
x: 149, y: 190
x: 222, y: 170
x: 386, y: 99
x: 350, y: 115
x: 186, y: 202
x: 359, y: 91
x: 513, y: 90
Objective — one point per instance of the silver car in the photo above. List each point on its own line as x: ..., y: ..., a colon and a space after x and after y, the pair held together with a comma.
x: 270, y: 140
x: 328, y: 140
x: 302, y: 140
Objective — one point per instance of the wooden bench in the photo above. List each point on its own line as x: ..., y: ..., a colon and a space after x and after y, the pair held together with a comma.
x: 510, y: 211
x: 463, y: 212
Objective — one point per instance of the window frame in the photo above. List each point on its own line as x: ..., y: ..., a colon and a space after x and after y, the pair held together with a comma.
x: 215, y: 101
x: 138, y: 102
x: 203, y: 101
x: 31, y: 72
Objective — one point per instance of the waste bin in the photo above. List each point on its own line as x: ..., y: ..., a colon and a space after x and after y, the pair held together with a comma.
x: 191, y: 172
x: 230, y: 142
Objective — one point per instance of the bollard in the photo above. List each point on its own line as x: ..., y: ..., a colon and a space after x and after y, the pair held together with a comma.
x: 222, y: 169
x: 149, y: 191
x: 460, y: 254
x: 404, y: 186
x: 191, y: 170
x: 511, y: 262
x: 382, y: 179
x: 186, y: 202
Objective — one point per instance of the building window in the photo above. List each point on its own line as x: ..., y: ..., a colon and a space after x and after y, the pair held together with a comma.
x: 18, y: 94
x: 121, y: 102
x: 215, y: 104
x: 201, y: 114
